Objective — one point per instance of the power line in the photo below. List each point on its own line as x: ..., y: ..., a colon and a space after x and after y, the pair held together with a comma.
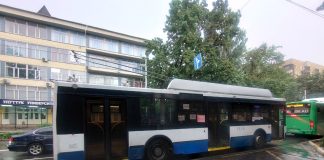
x: 27, y: 49
x: 145, y: 74
x: 245, y: 4
x: 305, y: 8
x: 88, y: 57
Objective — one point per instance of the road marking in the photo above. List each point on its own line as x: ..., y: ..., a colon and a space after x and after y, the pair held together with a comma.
x: 4, y: 150
x: 273, y: 155
x: 39, y: 158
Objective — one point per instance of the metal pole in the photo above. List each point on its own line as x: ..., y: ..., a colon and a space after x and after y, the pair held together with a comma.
x: 15, y: 117
x: 146, y: 72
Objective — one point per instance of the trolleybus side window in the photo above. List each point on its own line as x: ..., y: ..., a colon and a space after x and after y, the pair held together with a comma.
x: 148, y: 112
x: 191, y: 113
x: 260, y: 113
x: 241, y: 113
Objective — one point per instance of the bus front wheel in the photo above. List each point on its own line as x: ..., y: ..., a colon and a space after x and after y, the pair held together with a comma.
x: 259, y: 139
x: 159, y: 149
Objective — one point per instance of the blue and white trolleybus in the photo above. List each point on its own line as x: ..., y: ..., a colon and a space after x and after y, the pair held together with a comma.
x: 113, y: 122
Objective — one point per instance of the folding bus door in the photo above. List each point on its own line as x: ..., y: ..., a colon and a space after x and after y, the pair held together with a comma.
x: 118, y: 128
x: 218, y: 126
x: 95, y: 130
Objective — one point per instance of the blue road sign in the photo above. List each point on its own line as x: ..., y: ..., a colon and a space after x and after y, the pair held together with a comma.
x: 198, y: 62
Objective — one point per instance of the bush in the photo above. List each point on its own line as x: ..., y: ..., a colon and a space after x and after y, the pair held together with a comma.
x: 5, y: 136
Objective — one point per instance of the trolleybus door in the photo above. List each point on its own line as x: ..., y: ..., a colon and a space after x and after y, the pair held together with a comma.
x: 118, y: 128
x: 95, y: 129
x: 218, y: 126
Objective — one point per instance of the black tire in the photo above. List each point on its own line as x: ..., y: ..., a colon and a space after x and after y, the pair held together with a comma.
x: 259, y: 140
x: 35, y: 149
x: 158, y: 149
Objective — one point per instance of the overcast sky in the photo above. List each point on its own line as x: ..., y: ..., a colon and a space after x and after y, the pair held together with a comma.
x: 276, y: 22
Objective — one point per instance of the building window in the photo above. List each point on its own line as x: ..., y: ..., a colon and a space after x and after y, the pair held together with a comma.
x: 103, y: 44
x: 11, y: 92
x: 32, y: 93
x: 22, y: 92
x: 22, y: 27
x: 43, y: 92
x: 25, y: 71
x: 77, y: 39
x: 21, y: 71
x: 6, y: 113
x: 59, y: 35
x: 26, y: 93
x: 11, y: 69
x: 10, y: 26
x: 68, y: 75
x: 32, y: 30
x: 96, y: 79
x: 132, y: 50
x: 19, y: 115
x: 43, y: 32
x: 36, y: 115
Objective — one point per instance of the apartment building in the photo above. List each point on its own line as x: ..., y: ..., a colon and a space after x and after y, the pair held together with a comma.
x: 37, y: 49
x: 296, y: 67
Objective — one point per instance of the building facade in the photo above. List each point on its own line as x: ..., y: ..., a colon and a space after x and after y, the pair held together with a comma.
x: 296, y: 67
x: 37, y: 49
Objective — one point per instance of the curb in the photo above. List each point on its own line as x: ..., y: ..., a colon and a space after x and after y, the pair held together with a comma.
x: 318, y: 148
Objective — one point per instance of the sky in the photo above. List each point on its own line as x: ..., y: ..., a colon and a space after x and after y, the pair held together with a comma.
x: 275, y: 22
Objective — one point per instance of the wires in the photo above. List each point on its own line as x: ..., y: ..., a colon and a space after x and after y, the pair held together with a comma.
x: 64, y: 55
x: 305, y: 8
x: 87, y: 59
x: 246, y: 3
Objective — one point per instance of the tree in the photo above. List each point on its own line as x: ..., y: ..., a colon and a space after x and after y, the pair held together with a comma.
x: 262, y: 67
x: 313, y: 84
x: 192, y: 29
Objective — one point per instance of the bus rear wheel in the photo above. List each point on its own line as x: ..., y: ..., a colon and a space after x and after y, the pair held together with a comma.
x: 259, y: 140
x: 158, y: 149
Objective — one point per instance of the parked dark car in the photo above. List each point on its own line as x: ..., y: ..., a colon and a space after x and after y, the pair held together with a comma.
x: 34, y: 142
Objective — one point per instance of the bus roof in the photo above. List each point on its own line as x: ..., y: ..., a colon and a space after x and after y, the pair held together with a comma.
x: 207, y: 87
x: 317, y: 100
x: 177, y: 86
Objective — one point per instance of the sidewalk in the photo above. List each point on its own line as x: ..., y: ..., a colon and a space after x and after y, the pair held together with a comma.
x: 317, y: 145
x: 3, y: 145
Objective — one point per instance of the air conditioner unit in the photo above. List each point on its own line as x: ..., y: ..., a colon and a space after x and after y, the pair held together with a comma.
x: 48, y: 84
x: 5, y: 81
x: 44, y: 59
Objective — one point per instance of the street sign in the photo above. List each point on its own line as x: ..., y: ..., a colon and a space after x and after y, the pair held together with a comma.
x: 198, y: 62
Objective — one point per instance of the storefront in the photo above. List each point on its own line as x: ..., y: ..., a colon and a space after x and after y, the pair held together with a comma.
x: 18, y: 114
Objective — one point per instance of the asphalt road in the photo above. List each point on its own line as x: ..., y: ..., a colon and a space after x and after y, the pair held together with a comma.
x: 292, y: 148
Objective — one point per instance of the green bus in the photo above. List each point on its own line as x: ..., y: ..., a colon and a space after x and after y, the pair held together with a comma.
x: 305, y: 117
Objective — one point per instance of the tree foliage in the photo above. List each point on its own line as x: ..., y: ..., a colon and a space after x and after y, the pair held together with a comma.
x: 313, y: 84
x: 262, y: 68
x: 191, y: 29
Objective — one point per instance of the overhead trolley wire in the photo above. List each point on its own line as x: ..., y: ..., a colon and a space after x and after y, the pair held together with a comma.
x: 144, y: 74
x: 75, y: 54
x: 305, y: 8
x: 103, y: 60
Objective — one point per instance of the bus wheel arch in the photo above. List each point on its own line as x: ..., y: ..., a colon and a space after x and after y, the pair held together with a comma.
x: 158, y: 147
x: 259, y: 138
